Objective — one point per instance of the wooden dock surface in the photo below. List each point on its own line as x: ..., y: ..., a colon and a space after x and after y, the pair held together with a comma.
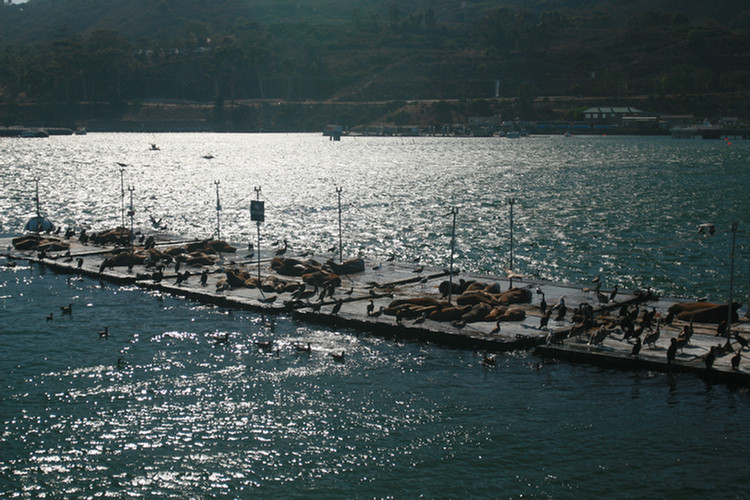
x: 383, y: 282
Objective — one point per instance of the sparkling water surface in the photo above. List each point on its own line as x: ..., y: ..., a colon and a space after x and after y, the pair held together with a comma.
x: 161, y: 410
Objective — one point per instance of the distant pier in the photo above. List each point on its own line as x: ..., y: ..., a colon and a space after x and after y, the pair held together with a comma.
x: 363, y: 299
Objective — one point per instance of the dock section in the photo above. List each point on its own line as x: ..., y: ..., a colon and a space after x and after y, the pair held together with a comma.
x: 410, y: 301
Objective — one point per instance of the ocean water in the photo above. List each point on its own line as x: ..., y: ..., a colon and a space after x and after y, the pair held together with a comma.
x: 160, y: 409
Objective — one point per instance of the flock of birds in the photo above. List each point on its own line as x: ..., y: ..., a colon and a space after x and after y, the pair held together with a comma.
x: 641, y: 328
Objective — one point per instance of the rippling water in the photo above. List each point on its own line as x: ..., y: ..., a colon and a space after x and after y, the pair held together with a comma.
x: 183, y: 416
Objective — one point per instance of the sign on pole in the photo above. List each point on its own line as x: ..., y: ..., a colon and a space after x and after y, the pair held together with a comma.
x: 257, y: 210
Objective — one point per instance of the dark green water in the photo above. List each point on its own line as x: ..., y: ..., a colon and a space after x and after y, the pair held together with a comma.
x: 185, y: 417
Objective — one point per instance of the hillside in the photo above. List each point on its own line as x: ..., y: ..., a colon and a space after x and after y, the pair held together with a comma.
x: 678, y: 56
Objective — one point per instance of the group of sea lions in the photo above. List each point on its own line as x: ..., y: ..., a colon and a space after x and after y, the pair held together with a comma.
x: 41, y: 243
x: 701, y: 312
x: 476, y: 302
x: 324, y: 276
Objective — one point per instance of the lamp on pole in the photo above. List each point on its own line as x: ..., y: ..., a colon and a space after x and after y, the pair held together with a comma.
x: 731, y: 285
x: 511, y: 202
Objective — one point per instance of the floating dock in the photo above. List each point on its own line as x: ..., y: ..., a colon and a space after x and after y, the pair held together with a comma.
x: 364, y: 300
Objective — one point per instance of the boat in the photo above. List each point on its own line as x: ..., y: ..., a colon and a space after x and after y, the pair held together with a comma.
x: 513, y: 134
x: 36, y: 132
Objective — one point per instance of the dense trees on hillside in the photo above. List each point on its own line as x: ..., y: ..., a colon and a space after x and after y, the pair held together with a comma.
x: 202, y: 51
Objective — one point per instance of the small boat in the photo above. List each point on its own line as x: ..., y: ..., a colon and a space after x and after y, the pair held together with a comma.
x: 513, y: 134
x: 34, y: 133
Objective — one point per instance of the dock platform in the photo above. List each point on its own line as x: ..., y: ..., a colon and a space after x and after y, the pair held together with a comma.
x: 364, y: 300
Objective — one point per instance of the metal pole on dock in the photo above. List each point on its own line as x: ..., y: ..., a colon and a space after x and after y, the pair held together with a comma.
x: 36, y: 197
x: 218, y: 218
x: 454, y: 212
x: 122, y: 198
x: 257, y: 197
x: 131, y: 214
x: 731, y: 284
x: 341, y: 247
x: 511, y: 201
x: 747, y: 313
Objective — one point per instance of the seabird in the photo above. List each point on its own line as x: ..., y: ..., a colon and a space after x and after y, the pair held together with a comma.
x: 710, y: 358
x: 104, y: 333
x: 636, y: 347
x: 67, y: 309
x: 50, y: 316
x: 338, y: 357
x: 671, y: 351
x: 337, y: 306
x: 370, y: 308
x: 736, y: 359
x: 302, y: 348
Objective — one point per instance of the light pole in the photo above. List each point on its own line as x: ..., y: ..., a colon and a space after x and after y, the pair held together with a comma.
x: 511, y: 202
x: 454, y: 212
x: 341, y: 248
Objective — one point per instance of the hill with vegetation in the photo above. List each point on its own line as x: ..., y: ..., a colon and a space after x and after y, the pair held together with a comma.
x: 533, y: 59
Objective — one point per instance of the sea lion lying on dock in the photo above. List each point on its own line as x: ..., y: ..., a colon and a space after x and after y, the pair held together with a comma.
x: 479, y: 310
x: 210, y: 246
x: 116, y: 236
x: 36, y: 242
x: 321, y: 278
x: 294, y: 267
x: 701, y: 312
x: 352, y: 266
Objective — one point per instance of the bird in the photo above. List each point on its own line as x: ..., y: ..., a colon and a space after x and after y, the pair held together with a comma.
x: 598, y: 337
x: 597, y: 279
x: 222, y: 339
x: 337, y: 306
x: 488, y: 360
x: 332, y: 249
x: 303, y: 348
x: 378, y: 312
x: 636, y: 347
x: 67, y: 309
x: 370, y: 308
x: 742, y: 341
x: 651, y: 338
x: 268, y: 300
x: 281, y: 251
x: 561, y: 310
x: 419, y: 269
x: 339, y: 358
x: 377, y: 266
x: 706, y: 228
x: 672, y: 350
x: 265, y: 345
x: 710, y: 357
x: 613, y: 294
x: 421, y: 319
x: 736, y: 359
x: 497, y: 328
x: 545, y: 319
x: 50, y: 316
x: 543, y: 304
x: 104, y: 333
x: 391, y: 258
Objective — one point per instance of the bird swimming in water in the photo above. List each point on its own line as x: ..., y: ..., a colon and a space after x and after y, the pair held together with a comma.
x: 303, y: 348
x: 67, y: 309
x: 104, y: 333
x: 339, y: 358
x: 50, y: 316
x: 489, y: 360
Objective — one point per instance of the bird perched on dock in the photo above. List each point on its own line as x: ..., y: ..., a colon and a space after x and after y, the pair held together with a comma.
x: 421, y: 319
x: 204, y: 277
x: 370, y: 308
x: 496, y: 329
x: 613, y: 294
x: 67, y: 309
x: 710, y: 358
x: 337, y: 307
x: 651, y: 338
x: 636, y: 347
x: 671, y: 351
x: 391, y: 258
x: 598, y: 337
x: 268, y: 300
x: 545, y: 319
x: 543, y: 304
x: 377, y: 266
x: 742, y: 341
x: 281, y: 251
x: 103, y: 333
x: 736, y: 359
x: 419, y: 269
x: 562, y: 309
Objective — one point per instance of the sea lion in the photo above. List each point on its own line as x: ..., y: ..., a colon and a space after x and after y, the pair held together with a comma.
x: 351, y: 266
